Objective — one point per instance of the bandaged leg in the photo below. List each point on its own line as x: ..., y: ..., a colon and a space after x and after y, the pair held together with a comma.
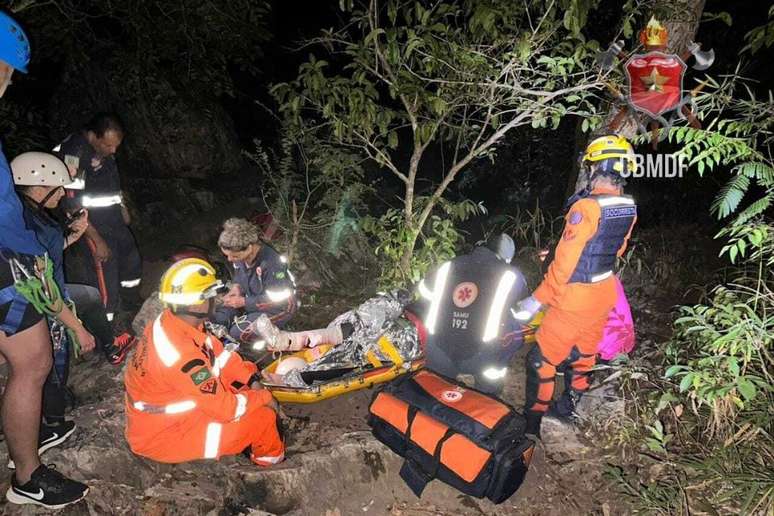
x: 278, y: 340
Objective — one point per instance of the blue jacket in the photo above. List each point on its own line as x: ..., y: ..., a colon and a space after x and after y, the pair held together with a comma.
x: 50, y: 234
x: 15, y: 235
x: 267, y: 285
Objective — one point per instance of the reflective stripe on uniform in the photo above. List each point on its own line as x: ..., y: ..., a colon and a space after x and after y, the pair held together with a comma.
x: 109, y: 316
x: 602, y: 276
x: 171, y: 408
x: 101, y: 201
x: 212, y: 440
x: 438, y: 287
x: 130, y: 283
x: 610, y: 201
x: 495, y: 373
x: 275, y: 296
x: 220, y: 362
x: 492, y: 328
x: 424, y: 291
x: 164, y: 348
x: 241, y: 407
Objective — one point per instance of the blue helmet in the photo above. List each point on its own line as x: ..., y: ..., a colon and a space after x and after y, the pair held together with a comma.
x: 14, y: 45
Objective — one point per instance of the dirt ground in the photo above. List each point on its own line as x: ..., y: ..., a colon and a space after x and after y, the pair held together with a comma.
x: 334, y: 466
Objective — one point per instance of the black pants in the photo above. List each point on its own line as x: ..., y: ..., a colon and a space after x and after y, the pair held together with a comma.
x: 88, y: 304
x: 121, y: 272
x: 439, y: 361
x: 55, y: 393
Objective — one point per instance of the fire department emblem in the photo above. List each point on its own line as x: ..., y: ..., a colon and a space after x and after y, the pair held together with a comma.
x: 464, y: 294
x: 655, y: 82
x: 451, y: 396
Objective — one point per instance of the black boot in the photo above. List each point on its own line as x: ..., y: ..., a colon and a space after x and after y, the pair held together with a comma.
x: 533, y: 420
x: 563, y: 408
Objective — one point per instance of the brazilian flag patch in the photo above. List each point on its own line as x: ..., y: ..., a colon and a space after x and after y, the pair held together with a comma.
x: 280, y: 275
x: 200, y: 375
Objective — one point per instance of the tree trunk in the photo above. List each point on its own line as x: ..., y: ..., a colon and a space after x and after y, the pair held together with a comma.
x: 681, y: 22
x: 408, y: 253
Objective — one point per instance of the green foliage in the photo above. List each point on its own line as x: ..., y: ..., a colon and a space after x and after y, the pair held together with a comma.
x: 404, y: 75
x: 721, y: 355
x: 315, y: 193
x: 762, y: 36
x: 740, y: 142
x: 663, y: 497
x: 714, y: 402
x: 720, y: 349
x: 440, y: 240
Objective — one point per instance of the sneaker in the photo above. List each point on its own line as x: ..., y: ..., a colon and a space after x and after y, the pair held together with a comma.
x: 47, y: 487
x: 51, y: 436
x: 121, y: 347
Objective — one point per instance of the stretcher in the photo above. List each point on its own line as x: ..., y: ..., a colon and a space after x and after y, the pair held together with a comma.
x: 332, y: 383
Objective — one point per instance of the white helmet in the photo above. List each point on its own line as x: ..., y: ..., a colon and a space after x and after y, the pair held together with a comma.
x: 39, y: 169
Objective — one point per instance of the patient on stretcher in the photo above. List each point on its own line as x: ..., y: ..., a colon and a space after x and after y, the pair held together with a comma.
x: 351, y: 345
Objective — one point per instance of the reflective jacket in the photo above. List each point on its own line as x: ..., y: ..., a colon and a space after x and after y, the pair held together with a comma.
x: 178, y: 377
x: 597, y: 229
x: 101, y: 194
x: 470, y: 297
x: 597, y: 261
x: 268, y: 284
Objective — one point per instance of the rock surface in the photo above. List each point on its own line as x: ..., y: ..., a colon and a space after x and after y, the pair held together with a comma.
x: 333, y: 466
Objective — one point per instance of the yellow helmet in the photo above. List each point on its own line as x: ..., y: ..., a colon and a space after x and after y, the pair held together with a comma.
x: 189, y: 282
x: 612, y: 153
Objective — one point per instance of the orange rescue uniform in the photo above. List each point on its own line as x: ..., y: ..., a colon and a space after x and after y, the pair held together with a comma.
x: 188, y: 398
x: 577, y: 311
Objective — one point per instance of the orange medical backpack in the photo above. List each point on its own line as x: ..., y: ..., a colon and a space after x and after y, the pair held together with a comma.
x: 467, y: 439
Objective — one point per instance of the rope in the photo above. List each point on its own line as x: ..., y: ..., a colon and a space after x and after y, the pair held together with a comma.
x: 40, y: 290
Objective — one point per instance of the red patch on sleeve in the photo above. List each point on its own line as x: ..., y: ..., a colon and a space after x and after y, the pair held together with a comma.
x: 209, y: 387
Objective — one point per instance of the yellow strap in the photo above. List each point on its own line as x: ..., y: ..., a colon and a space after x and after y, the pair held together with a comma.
x: 373, y: 359
x: 386, y: 346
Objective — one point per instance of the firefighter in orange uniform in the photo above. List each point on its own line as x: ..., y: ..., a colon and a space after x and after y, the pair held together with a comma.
x: 187, y: 397
x: 579, y: 289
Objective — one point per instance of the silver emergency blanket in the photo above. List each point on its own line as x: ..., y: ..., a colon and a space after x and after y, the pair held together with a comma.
x: 378, y: 316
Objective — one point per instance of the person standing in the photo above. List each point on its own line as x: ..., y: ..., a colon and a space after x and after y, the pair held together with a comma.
x: 90, y: 154
x: 24, y: 339
x: 579, y: 288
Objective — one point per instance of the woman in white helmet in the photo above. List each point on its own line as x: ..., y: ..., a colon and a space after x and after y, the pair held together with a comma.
x: 24, y: 339
x: 39, y: 178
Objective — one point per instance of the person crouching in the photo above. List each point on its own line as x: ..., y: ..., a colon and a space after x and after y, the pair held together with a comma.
x: 187, y: 397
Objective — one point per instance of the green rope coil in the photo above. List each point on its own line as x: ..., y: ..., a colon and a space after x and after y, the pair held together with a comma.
x: 33, y: 289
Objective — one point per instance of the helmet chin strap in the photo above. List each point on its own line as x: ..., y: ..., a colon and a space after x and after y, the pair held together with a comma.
x: 198, y: 315
x: 42, y: 203
x: 580, y: 194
